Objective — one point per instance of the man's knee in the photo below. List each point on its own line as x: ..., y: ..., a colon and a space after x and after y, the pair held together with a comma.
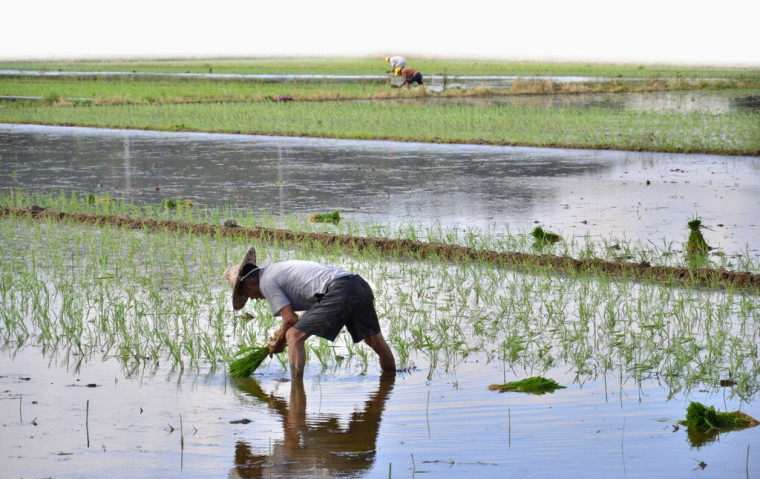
x: 295, y: 337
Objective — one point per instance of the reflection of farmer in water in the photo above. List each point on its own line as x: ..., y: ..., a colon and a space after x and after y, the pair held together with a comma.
x: 332, y: 298
x: 317, y: 447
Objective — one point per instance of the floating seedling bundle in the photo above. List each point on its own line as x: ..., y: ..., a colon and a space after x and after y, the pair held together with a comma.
x: 534, y: 385
x: 700, y: 416
x: 333, y: 217
x: 705, y: 424
x: 544, y: 238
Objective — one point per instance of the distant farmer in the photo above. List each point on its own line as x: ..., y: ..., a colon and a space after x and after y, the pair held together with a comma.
x: 330, y: 298
x: 410, y: 76
x: 396, y: 62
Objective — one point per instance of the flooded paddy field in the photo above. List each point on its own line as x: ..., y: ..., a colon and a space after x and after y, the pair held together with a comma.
x: 114, y: 343
x: 646, y: 197
x: 102, y: 420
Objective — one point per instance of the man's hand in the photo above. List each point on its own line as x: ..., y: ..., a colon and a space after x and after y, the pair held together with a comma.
x: 277, y: 342
x: 274, y: 346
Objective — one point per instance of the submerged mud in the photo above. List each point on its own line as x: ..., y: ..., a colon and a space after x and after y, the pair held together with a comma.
x: 701, y: 277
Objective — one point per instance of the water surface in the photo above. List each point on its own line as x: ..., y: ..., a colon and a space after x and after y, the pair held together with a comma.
x: 639, y: 196
x: 96, y: 420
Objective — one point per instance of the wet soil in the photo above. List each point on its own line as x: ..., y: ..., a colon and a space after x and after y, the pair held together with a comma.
x: 671, y: 275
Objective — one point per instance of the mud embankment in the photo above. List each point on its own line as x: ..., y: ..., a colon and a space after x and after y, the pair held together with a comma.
x: 698, y: 277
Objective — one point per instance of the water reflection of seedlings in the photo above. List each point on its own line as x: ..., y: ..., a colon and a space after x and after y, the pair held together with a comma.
x: 535, y: 385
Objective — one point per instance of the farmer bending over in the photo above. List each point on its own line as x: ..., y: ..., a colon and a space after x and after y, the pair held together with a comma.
x: 331, y: 298
x: 410, y: 76
x: 396, y: 62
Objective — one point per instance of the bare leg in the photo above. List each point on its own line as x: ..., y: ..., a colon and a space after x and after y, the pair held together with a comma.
x: 296, y: 352
x: 378, y: 344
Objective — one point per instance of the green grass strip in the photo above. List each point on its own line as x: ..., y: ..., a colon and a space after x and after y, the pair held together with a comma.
x: 149, y: 90
x: 693, y: 132
x: 146, y: 89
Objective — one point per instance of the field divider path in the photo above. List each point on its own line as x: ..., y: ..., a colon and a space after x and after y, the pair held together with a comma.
x: 669, y: 275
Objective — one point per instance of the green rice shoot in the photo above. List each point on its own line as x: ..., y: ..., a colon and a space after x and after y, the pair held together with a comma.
x: 246, y: 365
x: 534, y: 385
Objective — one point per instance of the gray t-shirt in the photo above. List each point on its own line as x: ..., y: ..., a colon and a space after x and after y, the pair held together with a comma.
x: 296, y: 283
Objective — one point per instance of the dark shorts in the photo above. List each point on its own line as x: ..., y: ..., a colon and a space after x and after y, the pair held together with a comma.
x: 417, y: 77
x: 348, y: 302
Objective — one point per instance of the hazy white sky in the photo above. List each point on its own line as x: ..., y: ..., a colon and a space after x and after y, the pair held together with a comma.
x: 646, y: 31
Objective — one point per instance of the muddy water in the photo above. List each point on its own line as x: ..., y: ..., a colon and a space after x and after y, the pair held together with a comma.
x: 603, y: 194
x: 60, y: 420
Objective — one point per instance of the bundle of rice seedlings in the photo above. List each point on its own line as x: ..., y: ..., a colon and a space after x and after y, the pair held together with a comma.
x: 100, y: 199
x: 534, y: 385
x: 333, y: 217
x: 700, y: 416
x: 696, y: 243
x: 170, y: 204
x: 246, y: 365
x: 544, y: 237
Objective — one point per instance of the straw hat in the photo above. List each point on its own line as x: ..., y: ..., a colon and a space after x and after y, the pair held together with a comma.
x: 234, y: 273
